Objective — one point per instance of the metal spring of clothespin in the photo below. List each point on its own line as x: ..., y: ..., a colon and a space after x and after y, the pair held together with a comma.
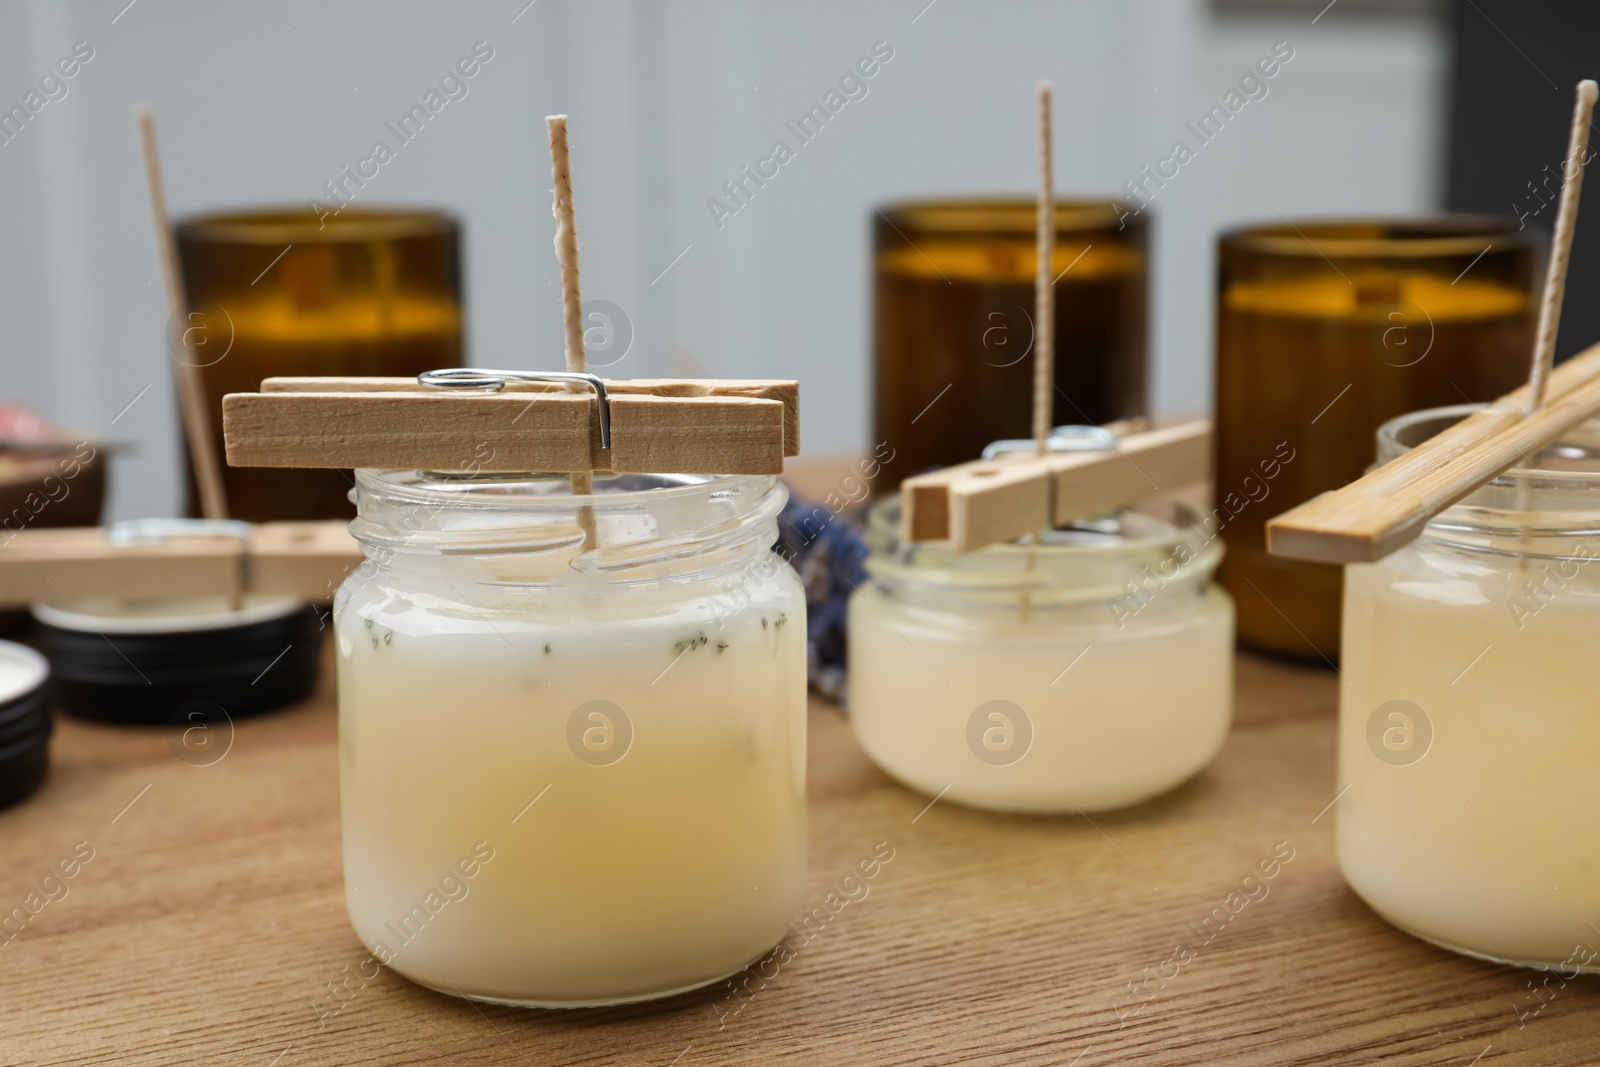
x: 492, y: 381
x: 1073, y: 438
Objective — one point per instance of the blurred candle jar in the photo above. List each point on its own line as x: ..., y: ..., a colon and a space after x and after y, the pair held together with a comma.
x: 1325, y: 330
x: 953, y: 331
x: 1092, y: 671
x: 280, y: 293
x: 1468, y: 733
x: 571, y: 777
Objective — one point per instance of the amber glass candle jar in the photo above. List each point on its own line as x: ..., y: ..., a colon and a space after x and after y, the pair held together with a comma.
x: 1324, y: 331
x: 953, y: 330
x: 274, y: 293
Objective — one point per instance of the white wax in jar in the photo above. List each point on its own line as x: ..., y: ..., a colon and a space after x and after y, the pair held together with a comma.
x: 1472, y: 817
x: 1072, y: 715
x: 153, y: 615
x: 22, y: 670
x: 668, y: 866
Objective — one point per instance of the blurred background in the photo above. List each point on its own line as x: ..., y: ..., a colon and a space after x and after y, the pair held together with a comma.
x: 1387, y: 108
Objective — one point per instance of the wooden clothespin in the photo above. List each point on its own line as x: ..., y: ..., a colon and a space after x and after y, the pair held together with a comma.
x: 177, y: 558
x: 1013, y: 494
x: 1020, y: 488
x: 569, y: 421
x: 1389, y: 507
x: 516, y: 421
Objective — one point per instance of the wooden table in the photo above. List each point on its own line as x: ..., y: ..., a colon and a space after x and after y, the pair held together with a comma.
x: 211, y: 919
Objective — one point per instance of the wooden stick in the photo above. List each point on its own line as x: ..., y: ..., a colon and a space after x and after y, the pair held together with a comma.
x: 987, y: 502
x: 1555, y: 279
x: 571, y: 298
x: 566, y: 241
x: 301, y: 559
x: 1044, y: 348
x: 1389, y: 507
x: 191, y: 386
x: 1044, y: 297
x: 739, y: 431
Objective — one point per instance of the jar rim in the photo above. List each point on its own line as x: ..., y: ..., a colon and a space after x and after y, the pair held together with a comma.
x: 1077, y: 569
x: 1384, y: 238
x: 1004, y: 215
x: 1551, y: 508
x: 1402, y: 433
x: 296, y: 225
x: 542, y: 490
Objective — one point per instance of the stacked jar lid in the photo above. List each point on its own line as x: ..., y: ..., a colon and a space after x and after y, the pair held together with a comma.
x: 24, y: 721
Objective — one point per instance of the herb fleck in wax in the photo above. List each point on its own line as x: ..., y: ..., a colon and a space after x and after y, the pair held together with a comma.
x: 699, y: 640
x: 380, y: 636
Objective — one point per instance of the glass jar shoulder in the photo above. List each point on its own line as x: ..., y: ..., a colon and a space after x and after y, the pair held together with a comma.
x: 438, y: 602
x: 1138, y: 612
x: 1430, y: 573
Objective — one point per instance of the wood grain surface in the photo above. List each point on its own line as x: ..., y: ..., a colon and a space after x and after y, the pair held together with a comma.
x: 785, y: 390
x: 473, y: 432
x: 692, y: 426
x: 211, y: 920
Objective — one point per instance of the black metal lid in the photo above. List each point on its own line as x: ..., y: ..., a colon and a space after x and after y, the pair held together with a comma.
x: 24, y: 721
x: 143, y: 667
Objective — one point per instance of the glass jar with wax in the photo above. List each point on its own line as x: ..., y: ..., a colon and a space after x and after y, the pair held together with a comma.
x: 953, y: 313
x: 1324, y: 330
x: 286, y: 293
x: 571, y: 776
x: 1468, y: 729
x: 1091, y: 671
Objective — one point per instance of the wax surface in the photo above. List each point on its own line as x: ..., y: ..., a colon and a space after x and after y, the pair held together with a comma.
x: 19, y: 673
x: 1436, y: 299
x: 1486, y: 839
x: 1143, y: 709
x: 997, y: 261
x: 165, y: 614
x: 679, y: 862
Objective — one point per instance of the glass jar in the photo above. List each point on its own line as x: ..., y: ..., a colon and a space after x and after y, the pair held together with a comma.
x: 284, y: 293
x: 953, y: 324
x: 571, y: 776
x: 1326, y: 329
x: 1092, y: 671
x: 1469, y: 732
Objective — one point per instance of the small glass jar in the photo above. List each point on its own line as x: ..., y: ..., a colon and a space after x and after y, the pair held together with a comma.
x: 1092, y: 671
x: 1469, y: 732
x: 571, y: 776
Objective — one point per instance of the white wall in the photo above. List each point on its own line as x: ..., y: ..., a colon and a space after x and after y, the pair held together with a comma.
x: 263, y: 101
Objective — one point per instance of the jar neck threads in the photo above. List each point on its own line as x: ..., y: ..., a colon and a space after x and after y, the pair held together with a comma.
x: 1125, y: 563
x: 525, y: 529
